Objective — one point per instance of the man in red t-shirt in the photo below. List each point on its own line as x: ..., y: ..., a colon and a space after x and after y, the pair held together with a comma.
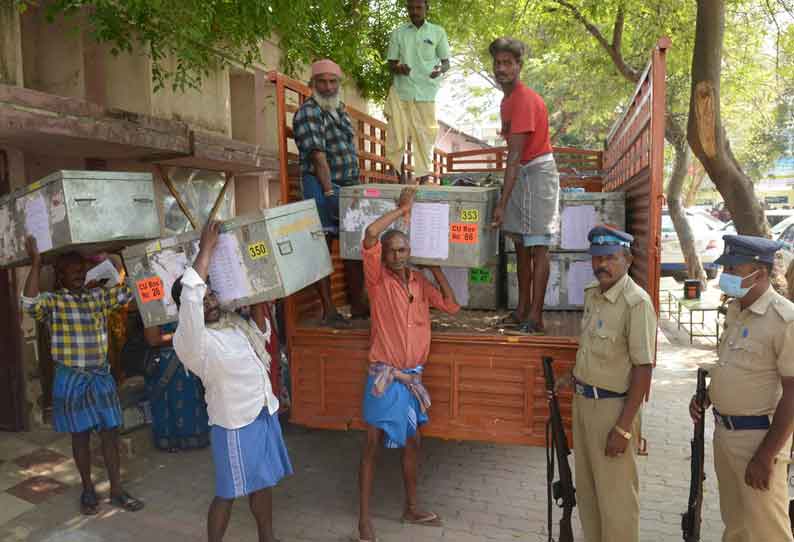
x: 528, y: 209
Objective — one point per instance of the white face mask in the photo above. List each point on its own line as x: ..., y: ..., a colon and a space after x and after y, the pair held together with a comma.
x: 731, y: 285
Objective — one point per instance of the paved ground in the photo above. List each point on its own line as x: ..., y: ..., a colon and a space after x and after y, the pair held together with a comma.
x: 484, y: 492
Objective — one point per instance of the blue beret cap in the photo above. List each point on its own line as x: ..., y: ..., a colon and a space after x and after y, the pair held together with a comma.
x: 605, y: 240
x: 748, y: 249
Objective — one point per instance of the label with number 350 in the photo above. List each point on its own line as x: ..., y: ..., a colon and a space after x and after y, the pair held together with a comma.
x: 257, y: 250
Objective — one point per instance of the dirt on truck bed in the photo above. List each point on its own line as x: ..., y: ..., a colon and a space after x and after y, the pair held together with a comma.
x: 482, y: 322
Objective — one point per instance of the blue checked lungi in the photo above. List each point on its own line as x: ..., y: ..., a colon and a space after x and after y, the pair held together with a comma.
x: 250, y: 458
x: 397, y: 411
x: 84, y: 399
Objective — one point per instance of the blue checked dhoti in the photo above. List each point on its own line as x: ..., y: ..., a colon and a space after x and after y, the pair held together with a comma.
x: 394, y: 406
x: 84, y: 400
x: 250, y: 458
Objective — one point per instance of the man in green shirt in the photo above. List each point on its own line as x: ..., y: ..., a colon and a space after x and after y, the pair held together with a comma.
x: 418, y: 54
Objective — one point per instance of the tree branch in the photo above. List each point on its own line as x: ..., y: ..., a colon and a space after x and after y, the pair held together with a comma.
x: 613, y: 49
x: 617, y: 30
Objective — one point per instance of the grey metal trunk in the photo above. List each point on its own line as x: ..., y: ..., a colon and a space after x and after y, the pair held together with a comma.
x: 471, y: 240
x: 261, y: 256
x: 88, y: 211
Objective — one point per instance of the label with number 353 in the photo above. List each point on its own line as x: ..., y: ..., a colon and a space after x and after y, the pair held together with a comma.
x: 470, y: 215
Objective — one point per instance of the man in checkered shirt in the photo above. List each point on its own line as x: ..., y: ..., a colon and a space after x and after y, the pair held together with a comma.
x: 84, y: 393
x: 325, y: 138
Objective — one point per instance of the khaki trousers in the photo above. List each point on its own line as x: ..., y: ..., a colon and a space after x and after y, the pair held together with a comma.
x: 607, y: 488
x: 414, y: 120
x: 750, y: 515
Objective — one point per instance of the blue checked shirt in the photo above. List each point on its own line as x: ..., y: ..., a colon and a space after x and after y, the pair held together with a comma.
x: 330, y: 132
x: 78, y: 322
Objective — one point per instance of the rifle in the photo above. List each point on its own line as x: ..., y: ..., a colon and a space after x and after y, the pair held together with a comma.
x: 561, y: 491
x: 690, y: 520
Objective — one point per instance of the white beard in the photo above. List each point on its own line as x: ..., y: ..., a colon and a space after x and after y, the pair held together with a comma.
x: 328, y: 103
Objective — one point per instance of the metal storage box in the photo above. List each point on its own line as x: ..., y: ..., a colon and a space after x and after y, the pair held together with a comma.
x: 78, y: 210
x: 475, y: 288
x: 569, y: 274
x: 260, y: 256
x: 451, y: 226
x: 579, y: 212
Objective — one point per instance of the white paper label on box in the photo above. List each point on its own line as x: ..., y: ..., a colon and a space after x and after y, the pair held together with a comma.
x: 430, y: 230
x: 552, y: 297
x: 576, y: 222
x: 580, y: 274
x: 104, y: 271
x: 169, y: 265
x: 37, y: 221
x: 357, y: 219
x: 226, y: 274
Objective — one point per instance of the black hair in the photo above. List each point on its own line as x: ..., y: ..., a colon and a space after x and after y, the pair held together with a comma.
x: 508, y: 45
x: 176, y: 291
x: 67, y: 258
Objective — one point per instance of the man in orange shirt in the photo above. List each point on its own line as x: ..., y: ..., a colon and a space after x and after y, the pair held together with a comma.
x: 528, y: 209
x: 395, y: 401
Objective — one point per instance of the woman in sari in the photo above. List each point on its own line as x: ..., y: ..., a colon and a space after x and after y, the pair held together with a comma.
x: 176, y: 396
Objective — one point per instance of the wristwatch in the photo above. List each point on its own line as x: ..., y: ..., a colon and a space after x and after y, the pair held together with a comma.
x: 625, y: 434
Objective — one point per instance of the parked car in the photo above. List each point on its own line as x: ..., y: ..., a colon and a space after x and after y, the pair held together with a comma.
x: 708, y: 232
x: 778, y: 220
x: 787, y: 252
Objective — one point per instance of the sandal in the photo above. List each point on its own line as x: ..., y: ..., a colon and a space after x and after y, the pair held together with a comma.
x: 126, y: 502
x: 89, y: 505
x: 431, y: 519
x: 511, y: 320
x: 527, y: 328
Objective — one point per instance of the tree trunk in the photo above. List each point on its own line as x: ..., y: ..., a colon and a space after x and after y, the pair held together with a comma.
x: 694, y: 187
x: 675, y: 205
x: 705, y: 132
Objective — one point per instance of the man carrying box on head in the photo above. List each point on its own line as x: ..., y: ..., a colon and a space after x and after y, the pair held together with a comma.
x: 325, y: 138
x: 528, y: 209
x: 84, y: 392
x: 395, y: 401
x: 229, y: 354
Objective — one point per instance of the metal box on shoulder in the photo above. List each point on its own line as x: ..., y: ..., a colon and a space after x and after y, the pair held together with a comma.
x: 261, y: 256
x: 462, y: 237
x: 87, y: 211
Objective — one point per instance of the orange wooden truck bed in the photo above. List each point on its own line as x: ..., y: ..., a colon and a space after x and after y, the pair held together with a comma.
x: 484, y: 386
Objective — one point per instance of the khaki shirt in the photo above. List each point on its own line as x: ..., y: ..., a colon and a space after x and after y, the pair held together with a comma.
x: 755, y: 352
x: 618, y: 332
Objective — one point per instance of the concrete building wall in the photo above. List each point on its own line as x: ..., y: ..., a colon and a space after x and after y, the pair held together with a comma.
x: 53, y: 54
x: 10, y: 45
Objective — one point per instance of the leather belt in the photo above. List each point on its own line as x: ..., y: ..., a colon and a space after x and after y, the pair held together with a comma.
x: 592, y: 392
x: 739, y: 423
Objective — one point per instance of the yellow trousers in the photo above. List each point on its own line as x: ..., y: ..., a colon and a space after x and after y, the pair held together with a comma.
x: 415, y: 121
x: 750, y: 515
x: 607, y: 488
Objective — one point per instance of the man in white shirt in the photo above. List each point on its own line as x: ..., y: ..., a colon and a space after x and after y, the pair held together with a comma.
x: 228, y: 353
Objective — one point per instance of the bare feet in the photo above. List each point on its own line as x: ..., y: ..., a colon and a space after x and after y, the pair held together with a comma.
x: 366, y: 533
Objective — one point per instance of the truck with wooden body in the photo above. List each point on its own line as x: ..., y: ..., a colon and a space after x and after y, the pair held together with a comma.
x: 485, y: 385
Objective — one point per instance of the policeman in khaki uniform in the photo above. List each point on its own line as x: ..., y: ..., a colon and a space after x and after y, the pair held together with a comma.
x: 752, y: 391
x: 611, y: 376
